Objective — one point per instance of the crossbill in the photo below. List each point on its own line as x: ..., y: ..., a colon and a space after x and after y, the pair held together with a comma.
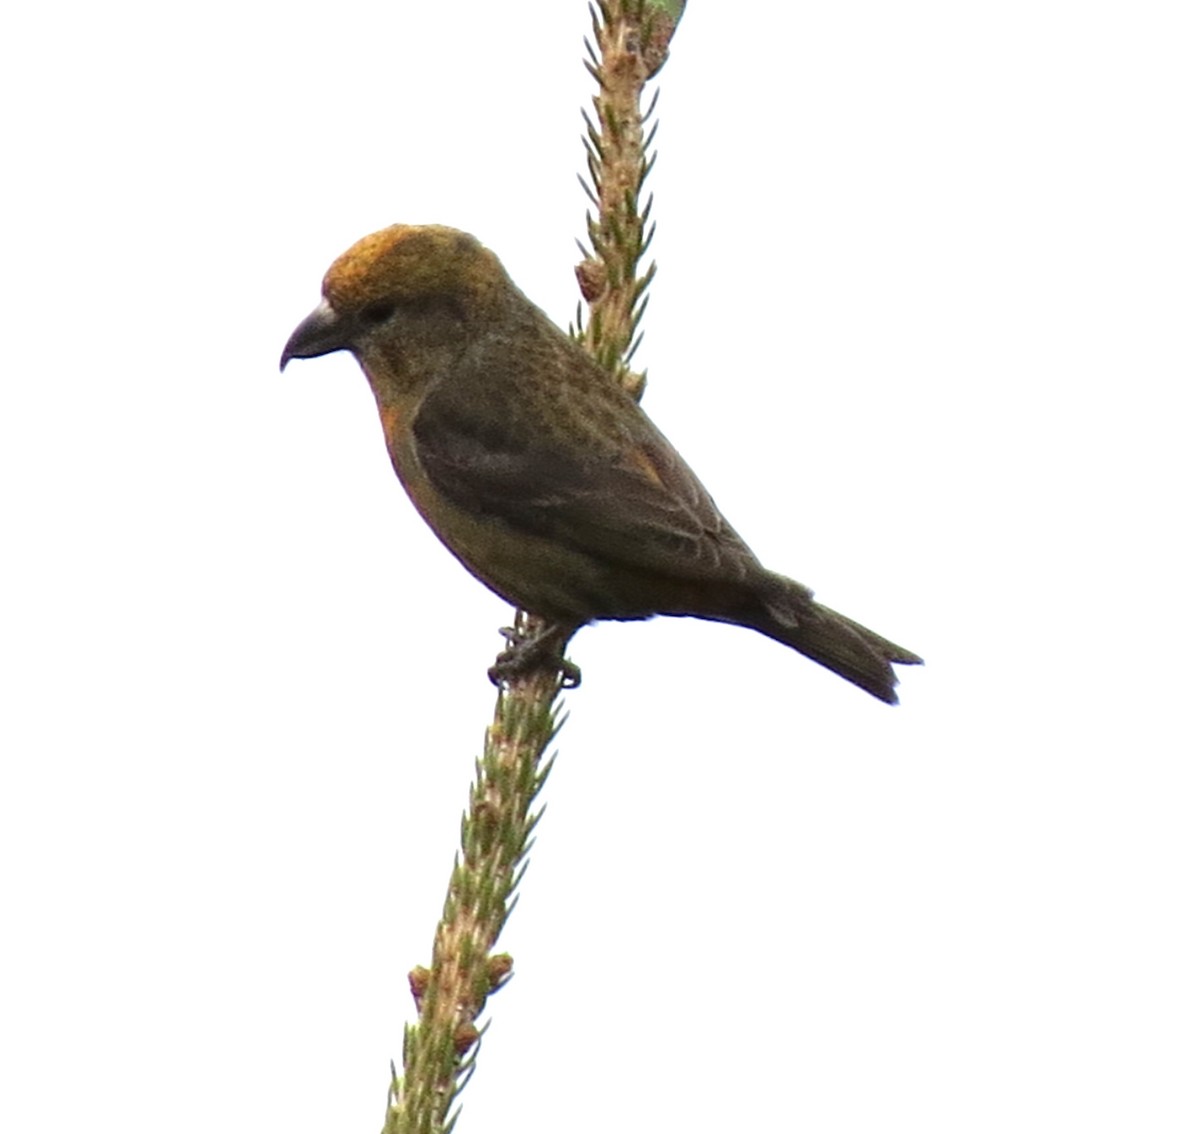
x: 545, y: 479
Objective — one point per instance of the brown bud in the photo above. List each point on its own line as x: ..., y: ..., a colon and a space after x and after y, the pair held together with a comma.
x: 465, y: 1037
x: 592, y: 279
x: 498, y: 967
x: 418, y: 982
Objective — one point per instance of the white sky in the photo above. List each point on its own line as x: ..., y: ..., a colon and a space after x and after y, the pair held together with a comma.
x: 925, y: 323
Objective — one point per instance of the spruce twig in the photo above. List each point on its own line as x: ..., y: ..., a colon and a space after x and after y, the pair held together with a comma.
x: 497, y: 831
x: 631, y: 38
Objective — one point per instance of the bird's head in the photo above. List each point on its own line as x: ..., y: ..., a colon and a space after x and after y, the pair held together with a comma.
x: 404, y: 288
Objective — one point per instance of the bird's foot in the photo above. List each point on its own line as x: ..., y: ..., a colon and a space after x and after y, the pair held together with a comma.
x: 542, y: 649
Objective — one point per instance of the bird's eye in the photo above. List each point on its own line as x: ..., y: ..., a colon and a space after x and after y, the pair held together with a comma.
x: 378, y: 312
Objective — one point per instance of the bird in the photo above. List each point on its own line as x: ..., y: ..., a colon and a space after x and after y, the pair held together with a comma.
x: 543, y: 477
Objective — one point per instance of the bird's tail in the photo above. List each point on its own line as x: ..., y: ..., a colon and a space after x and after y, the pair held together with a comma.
x: 834, y: 641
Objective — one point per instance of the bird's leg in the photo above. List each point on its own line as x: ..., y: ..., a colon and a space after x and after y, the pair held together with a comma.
x: 543, y: 648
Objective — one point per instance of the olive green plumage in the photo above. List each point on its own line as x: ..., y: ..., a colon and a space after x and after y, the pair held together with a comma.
x: 547, y: 481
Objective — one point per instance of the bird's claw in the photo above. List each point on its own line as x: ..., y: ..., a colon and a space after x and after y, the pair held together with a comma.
x: 522, y: 656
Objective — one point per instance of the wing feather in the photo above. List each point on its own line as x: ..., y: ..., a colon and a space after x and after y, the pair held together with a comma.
x: 584, y: 466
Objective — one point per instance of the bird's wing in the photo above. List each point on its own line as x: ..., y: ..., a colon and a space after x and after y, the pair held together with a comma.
x: 589, y: 470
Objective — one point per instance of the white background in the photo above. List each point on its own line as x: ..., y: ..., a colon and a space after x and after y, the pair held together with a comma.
x: 926, y: 324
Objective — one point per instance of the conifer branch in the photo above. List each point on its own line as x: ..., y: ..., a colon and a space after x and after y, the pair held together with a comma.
x: 631, y: 38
